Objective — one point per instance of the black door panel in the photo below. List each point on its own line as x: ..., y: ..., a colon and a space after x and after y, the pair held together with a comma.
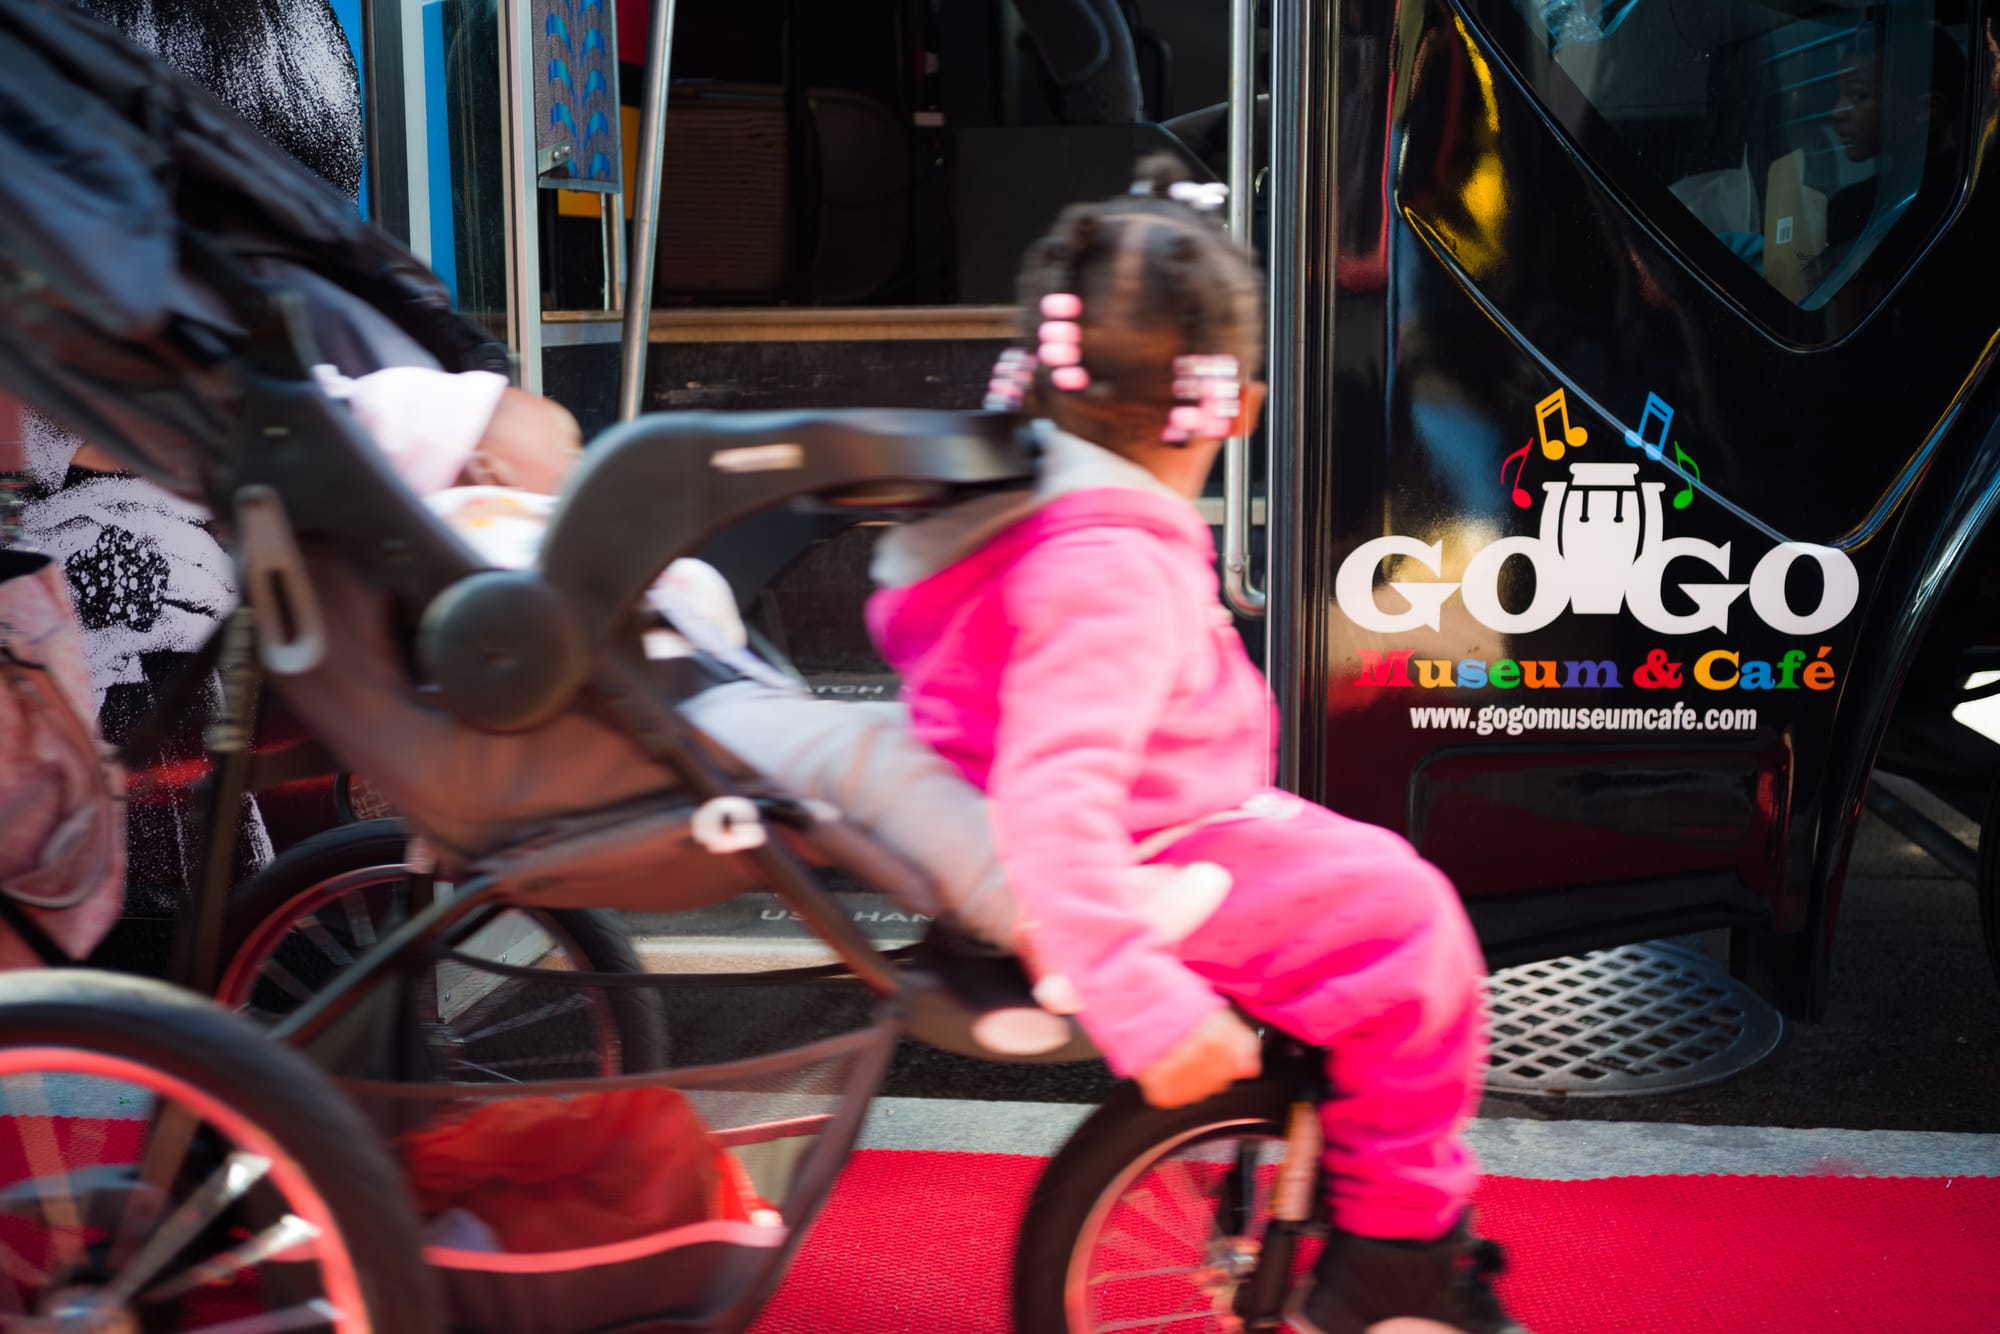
x: 1638, y: 493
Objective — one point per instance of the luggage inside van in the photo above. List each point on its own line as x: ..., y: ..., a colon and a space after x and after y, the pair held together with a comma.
x: 776, y: 200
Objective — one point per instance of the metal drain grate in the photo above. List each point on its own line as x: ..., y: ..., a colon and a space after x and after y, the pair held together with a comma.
x: 1653, y: 1018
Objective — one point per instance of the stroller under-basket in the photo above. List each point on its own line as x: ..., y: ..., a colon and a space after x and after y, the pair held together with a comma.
x: 158, y: 271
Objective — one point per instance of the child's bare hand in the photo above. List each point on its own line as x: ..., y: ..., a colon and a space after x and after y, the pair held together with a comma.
x: 1204, y: 1063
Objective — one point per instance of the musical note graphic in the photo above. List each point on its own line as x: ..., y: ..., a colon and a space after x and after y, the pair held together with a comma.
x: 1657, y: 409
x: 1522, y: 500
x: 1685, y: 496
x: 1557, y: 405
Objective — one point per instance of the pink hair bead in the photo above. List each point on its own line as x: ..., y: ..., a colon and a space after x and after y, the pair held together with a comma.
x: 1071, y: 378
x: 1012, y: 374
x: 1062, y: 305
x: 1061, y: 331
x: 1061, y: 354
x: 1189, y: 419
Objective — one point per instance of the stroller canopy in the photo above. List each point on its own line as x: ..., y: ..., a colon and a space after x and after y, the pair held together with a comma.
x: 144, y: 230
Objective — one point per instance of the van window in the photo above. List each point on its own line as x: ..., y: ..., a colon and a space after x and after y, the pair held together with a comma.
x: 872, y: 153
x: 1814, y: 143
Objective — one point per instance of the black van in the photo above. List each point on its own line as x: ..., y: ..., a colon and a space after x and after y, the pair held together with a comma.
x: 1624, y: 499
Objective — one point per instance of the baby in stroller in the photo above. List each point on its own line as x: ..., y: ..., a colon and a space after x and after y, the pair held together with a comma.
x: 488, y: 460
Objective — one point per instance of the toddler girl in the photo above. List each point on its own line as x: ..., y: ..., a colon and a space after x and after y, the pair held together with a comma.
x: 1068, y: 654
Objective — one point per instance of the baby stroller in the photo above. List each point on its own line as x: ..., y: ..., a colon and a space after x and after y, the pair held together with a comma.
x: 157, y: 269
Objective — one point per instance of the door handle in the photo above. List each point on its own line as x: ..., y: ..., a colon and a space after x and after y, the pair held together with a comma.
x: 639, y: 263
x: 1242, y: 596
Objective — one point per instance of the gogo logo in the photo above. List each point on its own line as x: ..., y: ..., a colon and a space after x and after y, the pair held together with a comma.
x: 1602, y: 548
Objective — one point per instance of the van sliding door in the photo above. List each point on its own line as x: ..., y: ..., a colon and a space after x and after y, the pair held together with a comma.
x: 1649, y: 315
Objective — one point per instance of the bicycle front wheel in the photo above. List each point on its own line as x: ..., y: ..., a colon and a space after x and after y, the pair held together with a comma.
x: 1152, y: 1219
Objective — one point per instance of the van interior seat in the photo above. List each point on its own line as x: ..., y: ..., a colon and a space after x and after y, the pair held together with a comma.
x: 815, y: 193
x: 1088, y: 49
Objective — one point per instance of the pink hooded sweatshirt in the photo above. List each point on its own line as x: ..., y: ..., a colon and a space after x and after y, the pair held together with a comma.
x: 1068, y: 653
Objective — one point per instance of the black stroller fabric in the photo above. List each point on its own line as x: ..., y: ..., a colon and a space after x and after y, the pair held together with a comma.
x: 143, y: 229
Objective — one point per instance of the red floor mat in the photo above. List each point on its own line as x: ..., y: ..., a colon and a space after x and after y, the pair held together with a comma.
x: 918, y: 1243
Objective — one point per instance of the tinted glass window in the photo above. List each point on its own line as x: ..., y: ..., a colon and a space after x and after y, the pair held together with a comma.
x: 1803, y: 137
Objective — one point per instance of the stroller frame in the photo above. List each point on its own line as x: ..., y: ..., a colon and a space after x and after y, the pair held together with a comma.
x: 315, y: 475
x: 308, y: 480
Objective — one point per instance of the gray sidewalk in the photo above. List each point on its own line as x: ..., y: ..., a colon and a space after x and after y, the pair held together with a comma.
x: 1516, y: 1148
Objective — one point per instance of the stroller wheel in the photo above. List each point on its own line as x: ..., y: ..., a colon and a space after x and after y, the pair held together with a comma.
x: 312, y: 912
x: 164, y: 1166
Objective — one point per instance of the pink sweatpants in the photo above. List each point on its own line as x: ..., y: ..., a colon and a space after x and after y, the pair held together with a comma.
x: 1339, y: 934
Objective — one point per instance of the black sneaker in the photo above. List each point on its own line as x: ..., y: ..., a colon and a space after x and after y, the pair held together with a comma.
x: 1360, y: 1281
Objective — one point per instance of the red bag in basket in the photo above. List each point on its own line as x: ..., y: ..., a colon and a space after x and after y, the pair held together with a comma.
x: 553, y: 1174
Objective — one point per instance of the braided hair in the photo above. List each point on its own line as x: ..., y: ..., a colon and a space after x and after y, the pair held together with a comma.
x: 1158, y: 280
